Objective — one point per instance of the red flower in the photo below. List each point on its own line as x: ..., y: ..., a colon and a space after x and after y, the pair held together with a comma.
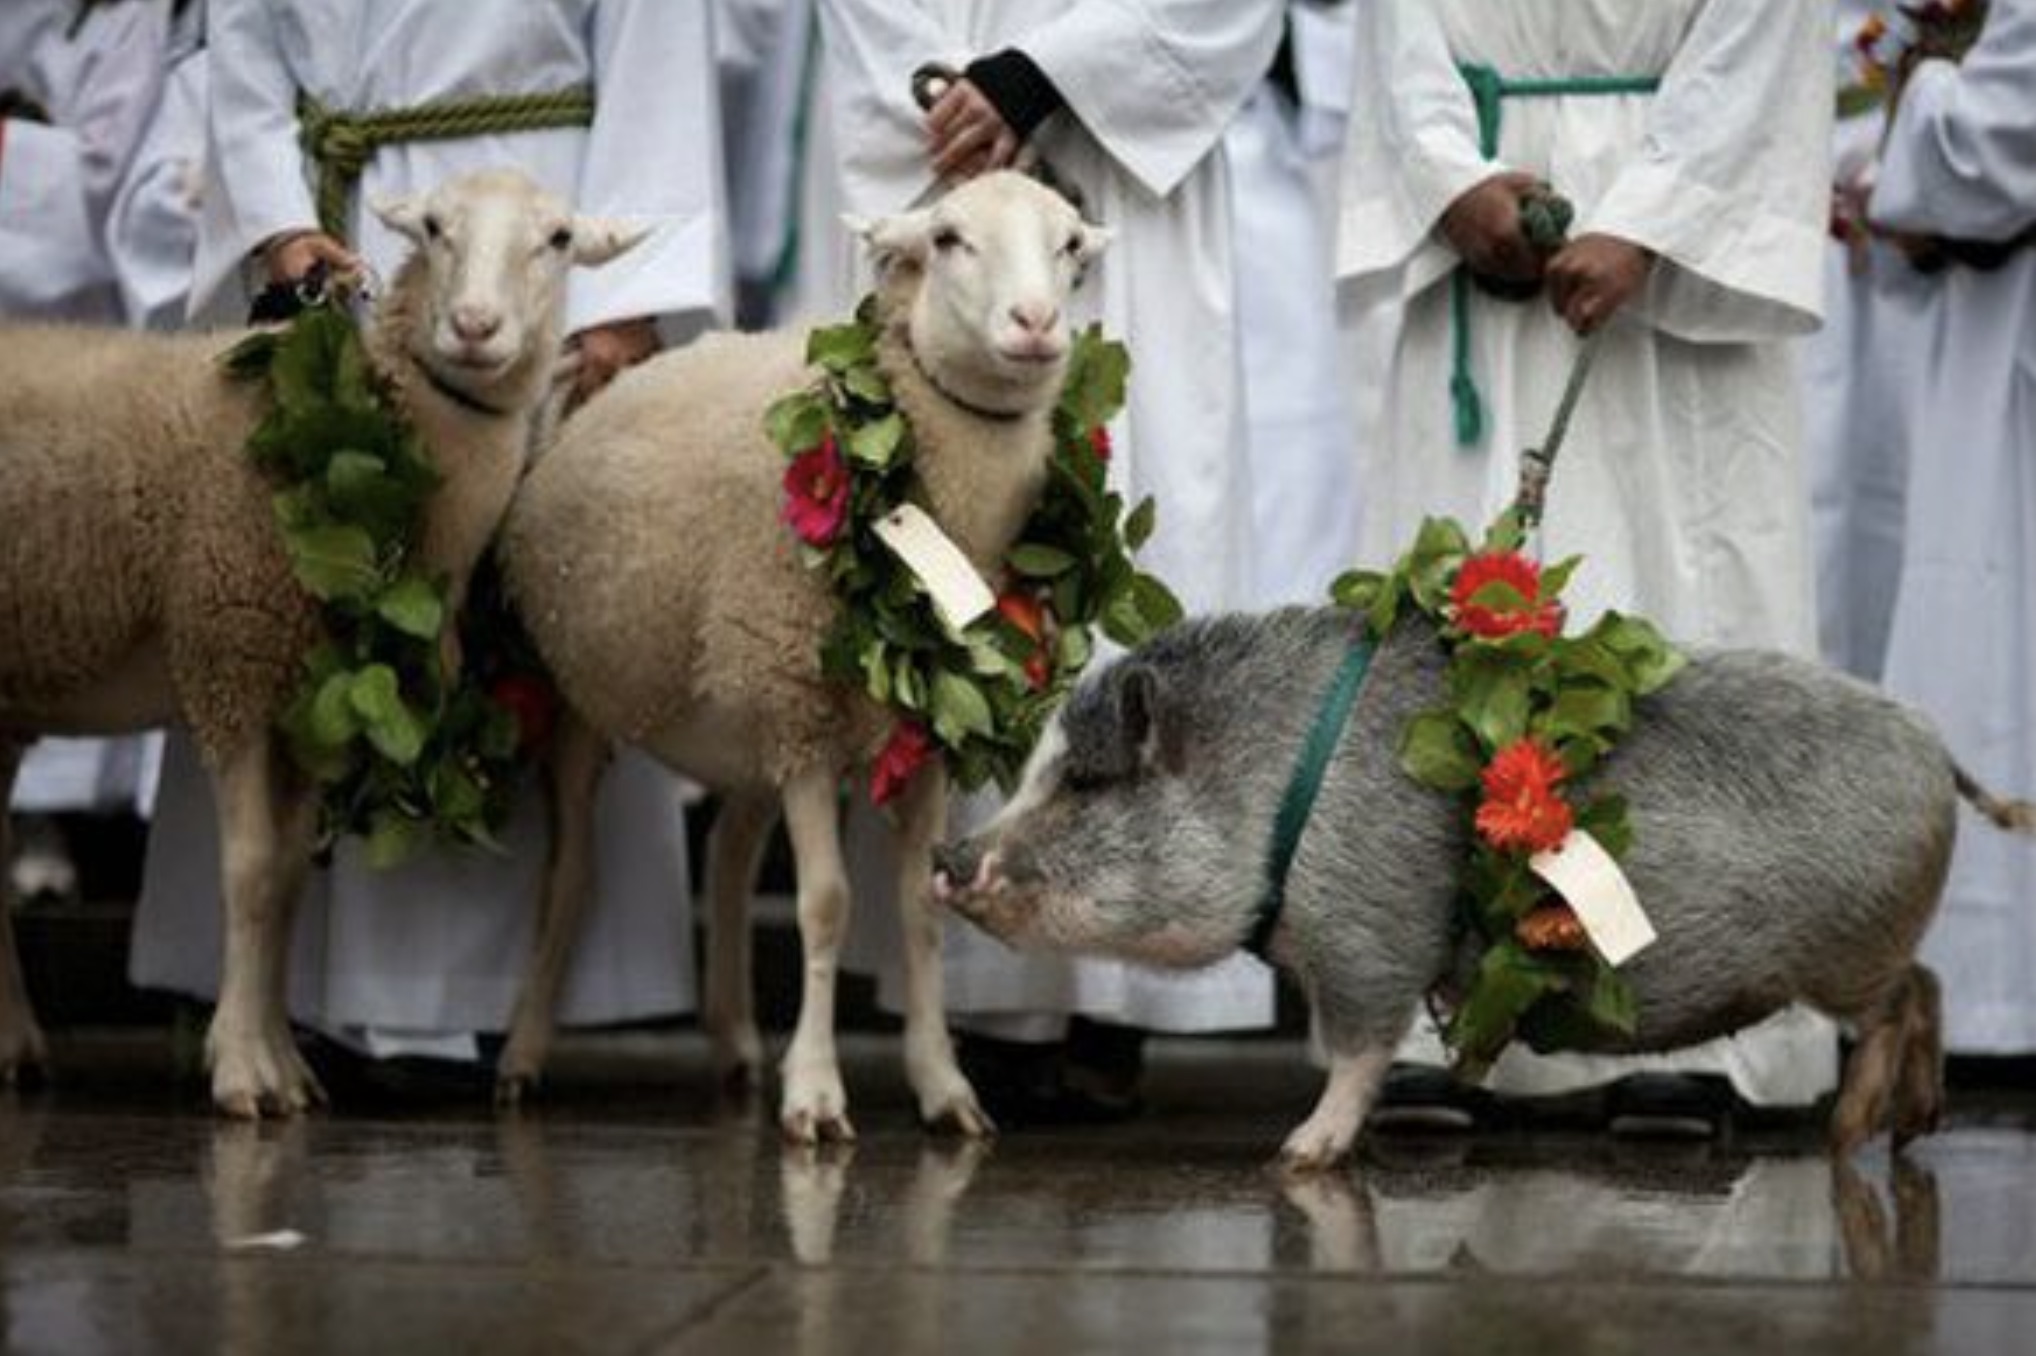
x: 1494, y: 623
x: 1521, y: 808
x: 816, y: 493
x: 1099, y: 439
x: 1028, y: 614
x: 907, y: 748
x: 532, y: 702
x: 1552, y: 927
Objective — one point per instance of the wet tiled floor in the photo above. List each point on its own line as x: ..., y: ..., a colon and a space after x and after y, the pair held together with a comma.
x: 629, y: 1213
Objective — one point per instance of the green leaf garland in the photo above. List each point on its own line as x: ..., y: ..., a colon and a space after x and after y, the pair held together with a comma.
x: 984, y: 692
x: 1572, y: 695
x: 402, y: 757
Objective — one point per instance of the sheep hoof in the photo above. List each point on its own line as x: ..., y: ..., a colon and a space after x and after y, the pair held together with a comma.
x: 963, y: 1116
x: 23, y: 1052
x: 817, y: 1127
x: 511, y: 1089
x: 1309, y: 1151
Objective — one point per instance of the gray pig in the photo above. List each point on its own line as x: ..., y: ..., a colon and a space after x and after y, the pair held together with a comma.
x: 1792, y: 828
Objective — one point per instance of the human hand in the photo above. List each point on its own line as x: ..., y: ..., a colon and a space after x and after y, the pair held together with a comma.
x: 966, y: 135
x: 289, y: 257
x: 1483, y: 225
x: 1591, y: 277
x: 603, y: 351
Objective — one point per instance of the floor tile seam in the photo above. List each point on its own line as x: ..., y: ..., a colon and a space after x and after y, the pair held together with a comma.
x: 706, y: 1311
x: 1524, y: 1280
x: 76, y: 1258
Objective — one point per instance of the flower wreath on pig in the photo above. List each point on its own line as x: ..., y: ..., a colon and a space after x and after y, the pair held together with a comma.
x: 1529, y: 710
x: 979, y: 695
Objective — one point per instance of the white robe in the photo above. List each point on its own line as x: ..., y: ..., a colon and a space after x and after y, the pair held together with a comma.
x: 57, y: 183
x: 439, y: 945
x: 1682, y: 481
x: 152, y: 231
x: 1150, y: 88
x: 1861, y: 376
x: 766, y: 58
x: 1961, y: 161
x: 1299, y: 431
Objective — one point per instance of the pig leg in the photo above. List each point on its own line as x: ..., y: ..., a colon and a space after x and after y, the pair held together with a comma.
x: 734, y: 850
x: 1919, y: 1086
x: 1865, y: 1091
x: 815, y: 1107
x: 1321, y: 1141
x: 572, y: 780
x: 945, y: 1097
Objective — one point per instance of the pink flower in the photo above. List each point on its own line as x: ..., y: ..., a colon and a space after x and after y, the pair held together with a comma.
x: 908, y: 747
x: 817, y: 487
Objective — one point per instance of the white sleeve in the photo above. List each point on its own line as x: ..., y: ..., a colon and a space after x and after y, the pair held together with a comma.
x: 258, y: 185
x: 152, y: 230
x: 1412, y: 145
x: 870, y: 49
x: 1156, y: 82
x: 654, y: 154
x: 1731, y: 188
x: 1960, y: 156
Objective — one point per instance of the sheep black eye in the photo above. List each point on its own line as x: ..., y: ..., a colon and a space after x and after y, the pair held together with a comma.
x: 947, y: 238
x: 432, y: 229
x: 1073, y: 248
x: 562, y: 238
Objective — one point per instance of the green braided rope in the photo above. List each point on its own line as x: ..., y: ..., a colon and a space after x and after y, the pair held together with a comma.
x: 341, y: 143
x: 1544, y: 217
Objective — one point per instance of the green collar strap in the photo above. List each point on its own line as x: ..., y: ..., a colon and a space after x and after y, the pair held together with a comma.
x: 1302, y: 788
x: 1488, y: 92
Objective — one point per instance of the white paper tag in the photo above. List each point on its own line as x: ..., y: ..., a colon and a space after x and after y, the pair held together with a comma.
x: 1592, y: 884
x: 282, y: 1240
x: 958, y: 591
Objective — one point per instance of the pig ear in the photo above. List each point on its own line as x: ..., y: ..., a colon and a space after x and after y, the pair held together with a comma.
x: 1151, y: 732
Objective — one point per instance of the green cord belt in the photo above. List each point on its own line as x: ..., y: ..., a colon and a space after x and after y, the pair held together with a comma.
x: 1488, y: 92
x: 342, y: 143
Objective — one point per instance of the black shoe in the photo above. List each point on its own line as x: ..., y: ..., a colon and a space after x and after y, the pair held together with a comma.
x: 1027, y: 1083
x: 1426, y: 1098
x: 1670, y: 1106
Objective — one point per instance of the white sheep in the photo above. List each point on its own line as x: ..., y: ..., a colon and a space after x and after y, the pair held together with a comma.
x: 646, y: 558
x: 143, y: 579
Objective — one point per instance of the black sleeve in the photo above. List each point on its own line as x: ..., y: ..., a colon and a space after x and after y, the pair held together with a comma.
x: 1016, y: 88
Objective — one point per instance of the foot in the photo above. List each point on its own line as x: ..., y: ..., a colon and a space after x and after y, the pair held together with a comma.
x: 1669, y: 1106
x: 815, y: 1107
x: 257, y: 1073
x: 1427, y: 1099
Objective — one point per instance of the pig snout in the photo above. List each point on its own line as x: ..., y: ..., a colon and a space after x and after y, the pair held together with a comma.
x: 961, y: 869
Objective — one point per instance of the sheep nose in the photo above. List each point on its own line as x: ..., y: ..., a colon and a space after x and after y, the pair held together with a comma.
x: 476, y: 323
x: 1035, y: 317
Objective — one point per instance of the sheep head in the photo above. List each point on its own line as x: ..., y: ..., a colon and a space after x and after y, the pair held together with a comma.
x: 986, y: 273
x: 494, y: 250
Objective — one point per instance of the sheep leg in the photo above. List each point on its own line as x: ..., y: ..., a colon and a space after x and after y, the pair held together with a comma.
x: 21, y: 1042
x: 734, y: 851
x: 815, y: 1107
x: 572, y: 780
x: 945, y: 1097
x: 266, y: 821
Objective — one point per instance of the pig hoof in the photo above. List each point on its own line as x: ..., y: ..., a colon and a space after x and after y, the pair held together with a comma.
x: 1311, y: 1151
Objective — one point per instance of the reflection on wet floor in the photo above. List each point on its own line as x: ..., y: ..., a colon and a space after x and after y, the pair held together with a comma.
x: 613, y: 1219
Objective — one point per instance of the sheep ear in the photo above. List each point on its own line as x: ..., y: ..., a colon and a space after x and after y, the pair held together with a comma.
x: 1095, y: 239
x: 891, y: 240
x: 403, y: 215
x: 596, y: 240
